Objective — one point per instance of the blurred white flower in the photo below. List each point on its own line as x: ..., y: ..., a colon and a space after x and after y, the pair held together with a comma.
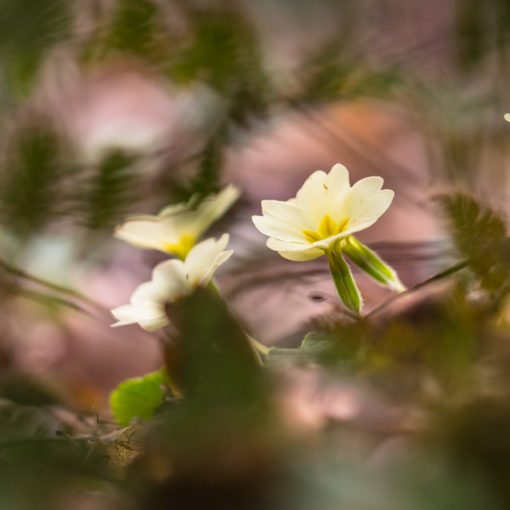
x: 176, y: 228
x: 325, y: 209
x: 507, y: 117
x: 171, y: 280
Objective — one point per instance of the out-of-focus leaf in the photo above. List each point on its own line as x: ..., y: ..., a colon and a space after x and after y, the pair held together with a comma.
x: 475, y: 437
x: 335, y: 345
x: 333, y: 73
x: 211, y: 358
x: 30, y: 178
x: 138, y: 397
x: 279, y: 356
x: 207, y: 180
x: 335, y: 348
x: 223, y: 52
x: 480, y: 28
x: 111, y: 191
x: 135, y: 28
x: 208, y: 173
x: 439, y: 337
x: 502, y: 8
x: 216, y: 446
x: 315, y: 342
x: 479, y: 234
x: 470, y: 28
x: 28, y: 30
x: 39, y: 463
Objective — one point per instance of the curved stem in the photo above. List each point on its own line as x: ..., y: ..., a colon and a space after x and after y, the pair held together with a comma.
x: 16, y: 271
x: 438, y: 276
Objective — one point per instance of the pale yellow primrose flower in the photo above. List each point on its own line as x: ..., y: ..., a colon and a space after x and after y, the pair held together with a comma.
x: 172, y: 280
x: 325, y: 209
x: 176, y: 228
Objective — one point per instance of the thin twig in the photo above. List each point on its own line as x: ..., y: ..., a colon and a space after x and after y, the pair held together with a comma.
x: 50, y: 285
x: 439, y: 276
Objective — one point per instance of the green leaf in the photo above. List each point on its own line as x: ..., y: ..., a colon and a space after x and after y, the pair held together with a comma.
x: 315, y: 347
x: 32, y: 167
x: 29, y: 29
x: 110, y: 191
x: 369, y: 262
x: 316, y: 342
x: 286, y: 356
x: 334, y: 347
x: 479, y: 234
x: 225, y: 409
x: 210, y: 358
x: 133, y: 27
x: 223, y: 51
x: 470, y: 31
x: 344, y: 282
x: 138, y: 397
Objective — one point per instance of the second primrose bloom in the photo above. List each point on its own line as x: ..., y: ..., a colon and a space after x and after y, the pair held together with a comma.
x: 176, y: 229
x: 171, y: 280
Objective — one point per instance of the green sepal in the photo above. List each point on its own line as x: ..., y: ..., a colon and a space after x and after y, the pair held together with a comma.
x: 138, y: 397
x: 370, y: 263
x: 344, y: 282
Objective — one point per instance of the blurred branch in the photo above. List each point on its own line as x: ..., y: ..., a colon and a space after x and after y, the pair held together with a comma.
x: 9, y: 268
x: 435, y: 278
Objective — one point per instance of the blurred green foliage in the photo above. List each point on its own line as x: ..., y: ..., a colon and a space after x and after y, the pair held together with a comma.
x: 221, y: 46
x: 30, y: 175
x: 29, y: 30
x: 473, y: 38
x: 110, y: 192
x: 480, y: 236
x: 40, y: 466
x: 135, y: 29
x: 430, y: 367
x: 334, y: 73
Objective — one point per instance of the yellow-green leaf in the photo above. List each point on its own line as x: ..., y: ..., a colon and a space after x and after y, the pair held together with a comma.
x: 138, y: 397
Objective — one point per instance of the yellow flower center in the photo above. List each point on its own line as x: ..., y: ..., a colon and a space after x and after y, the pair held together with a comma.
x: 182, y: 248
x: 327, y: 228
